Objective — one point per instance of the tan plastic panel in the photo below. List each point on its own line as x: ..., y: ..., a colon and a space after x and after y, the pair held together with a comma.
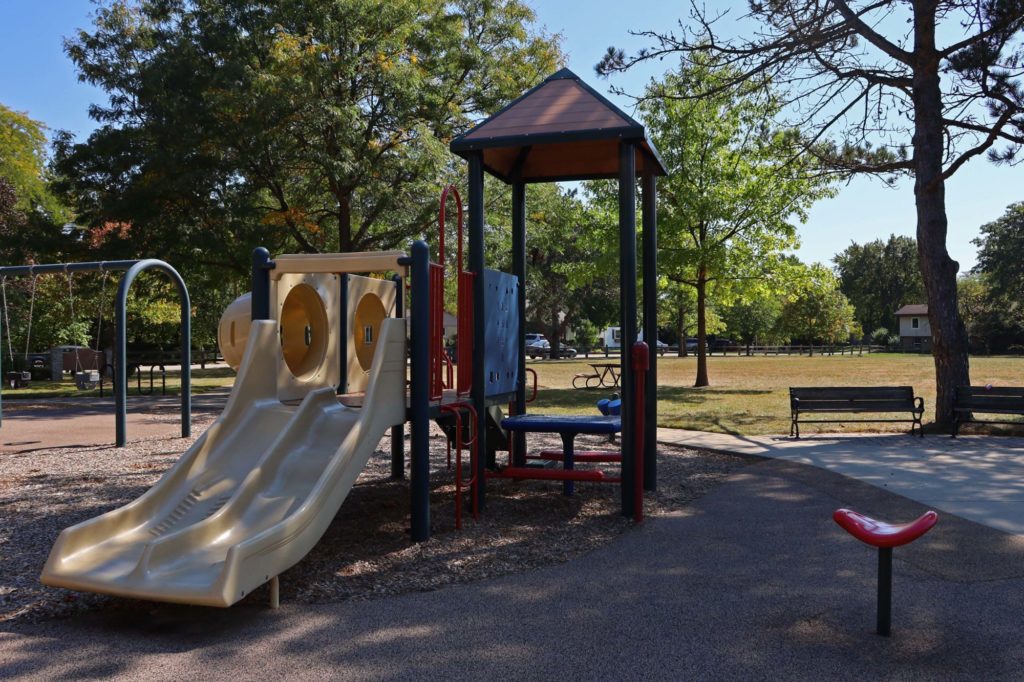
x: 248, y: 500
x: 369, y: 302
x: 309, y: 354
x: 233, y: 330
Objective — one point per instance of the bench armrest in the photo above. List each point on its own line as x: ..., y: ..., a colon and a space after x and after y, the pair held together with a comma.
x: 919, y: 407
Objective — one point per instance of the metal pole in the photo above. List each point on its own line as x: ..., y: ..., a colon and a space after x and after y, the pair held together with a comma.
x: 398, y: 431
x: 51, y: 268
x: 627, y: 312
x: 519, y: 270
x: 261, y: 267
x: 476, y: 266
x: 419, y: 343
x: 884, y: 590
x: 121, y: 348
x: 650, y: 285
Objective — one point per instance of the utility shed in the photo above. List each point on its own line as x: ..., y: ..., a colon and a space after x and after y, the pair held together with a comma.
x: 915, y: 331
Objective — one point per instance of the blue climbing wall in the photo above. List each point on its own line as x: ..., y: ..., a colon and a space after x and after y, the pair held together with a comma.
x: 501, y: 324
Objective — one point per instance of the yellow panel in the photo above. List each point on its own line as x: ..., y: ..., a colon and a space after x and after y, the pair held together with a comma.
x: 304, y: 331
x: 369, y: 314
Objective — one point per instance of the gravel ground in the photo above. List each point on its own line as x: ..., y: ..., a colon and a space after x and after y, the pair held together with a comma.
x: 365, y: 553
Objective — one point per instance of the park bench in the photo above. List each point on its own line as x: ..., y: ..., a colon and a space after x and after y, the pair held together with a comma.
x: 986, y: 399
x: 859, y: 399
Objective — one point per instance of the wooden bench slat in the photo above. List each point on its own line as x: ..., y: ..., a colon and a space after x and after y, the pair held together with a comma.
x: 982, y: 391
x: 865, y: 392
x: 982, y: 404
x: 857, y: 406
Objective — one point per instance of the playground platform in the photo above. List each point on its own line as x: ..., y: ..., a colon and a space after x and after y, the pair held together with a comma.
x: 752, y: 581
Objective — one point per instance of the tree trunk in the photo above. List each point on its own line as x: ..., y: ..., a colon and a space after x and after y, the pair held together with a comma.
x: 949, y: 336
x: 555, y: 334
x: 702, y: 328
x: 345, y: 223
x: 681, y: 330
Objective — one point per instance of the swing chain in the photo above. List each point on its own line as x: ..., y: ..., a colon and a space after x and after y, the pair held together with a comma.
x: 71, y: 304
x: 31, y: 310
x: 7, y: 322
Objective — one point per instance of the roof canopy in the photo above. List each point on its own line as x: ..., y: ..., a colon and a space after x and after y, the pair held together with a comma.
x: 560, y: 130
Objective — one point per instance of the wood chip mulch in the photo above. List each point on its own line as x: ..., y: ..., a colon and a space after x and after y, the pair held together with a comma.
x: 365, y: 553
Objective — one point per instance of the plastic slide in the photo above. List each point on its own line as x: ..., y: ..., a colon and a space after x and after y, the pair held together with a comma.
x: 249, y: 499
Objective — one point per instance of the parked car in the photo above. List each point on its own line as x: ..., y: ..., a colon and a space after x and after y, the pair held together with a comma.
x: 542, y: 349
x: 691, y: 343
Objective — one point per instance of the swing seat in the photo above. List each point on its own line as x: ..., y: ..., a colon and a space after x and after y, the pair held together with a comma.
x: 87, y: 380
x: 19, y: 379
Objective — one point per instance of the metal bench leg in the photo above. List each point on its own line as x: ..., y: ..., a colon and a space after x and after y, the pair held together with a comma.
x: 794, y: 427
x: 884, y: 591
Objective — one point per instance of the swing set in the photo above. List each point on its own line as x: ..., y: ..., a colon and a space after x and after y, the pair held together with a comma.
x: 86, y: 378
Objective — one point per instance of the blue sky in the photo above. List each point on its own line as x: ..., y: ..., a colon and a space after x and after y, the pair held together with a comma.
x: 36, y: 77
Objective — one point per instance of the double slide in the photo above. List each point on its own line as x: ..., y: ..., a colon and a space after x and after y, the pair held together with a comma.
x: 249, y: 499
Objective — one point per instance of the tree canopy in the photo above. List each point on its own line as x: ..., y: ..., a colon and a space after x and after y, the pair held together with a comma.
x: 879, y: 277
x: 735, y: 187
x: 309, y: 125
x: 1001, y: 253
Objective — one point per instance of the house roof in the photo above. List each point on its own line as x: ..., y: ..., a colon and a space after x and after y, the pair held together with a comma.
x: 560, y: 130
x: 913, y: 309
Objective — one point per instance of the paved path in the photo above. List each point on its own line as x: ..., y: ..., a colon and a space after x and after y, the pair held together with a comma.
x: 977, y: 477
x: 71, y: 422
x: 753, y: 582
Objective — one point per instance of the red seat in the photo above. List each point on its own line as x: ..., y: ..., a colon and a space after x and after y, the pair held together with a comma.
x: 880, y: 534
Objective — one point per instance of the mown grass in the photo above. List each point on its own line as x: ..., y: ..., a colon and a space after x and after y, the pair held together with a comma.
x: 750, y: 395
x: 747, y: 396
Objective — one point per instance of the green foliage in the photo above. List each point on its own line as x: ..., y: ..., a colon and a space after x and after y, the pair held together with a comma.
x: 736, y: 185
x: 879, y: 277
x: 754, y: 318
x: 819, y: 312
x: 1001, y: 253
x: 880, y: 336
x: 23, y: 160
x: 319, y: 125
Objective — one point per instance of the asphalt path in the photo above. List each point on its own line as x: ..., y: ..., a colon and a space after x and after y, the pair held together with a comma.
x: 753, y: 581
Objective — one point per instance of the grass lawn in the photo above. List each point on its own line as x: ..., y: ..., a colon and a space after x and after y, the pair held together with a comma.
x: 750, y: 395
x: 202, y: 380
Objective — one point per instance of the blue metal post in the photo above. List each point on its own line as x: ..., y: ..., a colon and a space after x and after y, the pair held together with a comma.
x: 476, y: 266
x: 419, y: 407
x: 650, y: 285
x: 519, y: 270
x: 398, y: 431
x: 627, y: 312
x: 121, y: 348
x: 261, y: 267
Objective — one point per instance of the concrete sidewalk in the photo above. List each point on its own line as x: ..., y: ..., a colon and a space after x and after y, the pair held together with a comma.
x: 980, y: 478
x: 753, y: 582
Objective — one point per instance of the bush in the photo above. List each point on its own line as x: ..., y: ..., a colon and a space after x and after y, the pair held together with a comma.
x: 880, y: 336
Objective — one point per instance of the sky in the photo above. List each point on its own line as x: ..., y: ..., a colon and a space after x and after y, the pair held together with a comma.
x: 36, y: 77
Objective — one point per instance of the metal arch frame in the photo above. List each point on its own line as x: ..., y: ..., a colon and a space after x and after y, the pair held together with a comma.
x: 121, y: 346
x: 132, y: 269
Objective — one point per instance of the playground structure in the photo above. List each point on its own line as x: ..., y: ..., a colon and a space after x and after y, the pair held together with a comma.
x: 322, y: 374
x: 131, y: 269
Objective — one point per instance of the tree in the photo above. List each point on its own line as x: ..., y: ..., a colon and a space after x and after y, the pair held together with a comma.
x: 880, y: 277
x: 818, y: 312
x: 30, y: 214
x: 1001, y: 253
x: 754, y: 317
x: 733, y: 188
x: 882, y: 104
x: 311, y: 126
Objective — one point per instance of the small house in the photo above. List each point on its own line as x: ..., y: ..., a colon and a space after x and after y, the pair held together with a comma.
x: 915, y: 331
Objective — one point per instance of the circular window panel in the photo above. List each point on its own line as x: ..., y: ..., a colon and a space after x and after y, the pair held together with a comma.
x: 369, y: 314
x: 303, y: 331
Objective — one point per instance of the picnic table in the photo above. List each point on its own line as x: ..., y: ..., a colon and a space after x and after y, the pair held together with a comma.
x: 606, y: 375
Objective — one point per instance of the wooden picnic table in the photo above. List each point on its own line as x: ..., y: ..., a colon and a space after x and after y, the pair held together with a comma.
x: 607, y: 373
